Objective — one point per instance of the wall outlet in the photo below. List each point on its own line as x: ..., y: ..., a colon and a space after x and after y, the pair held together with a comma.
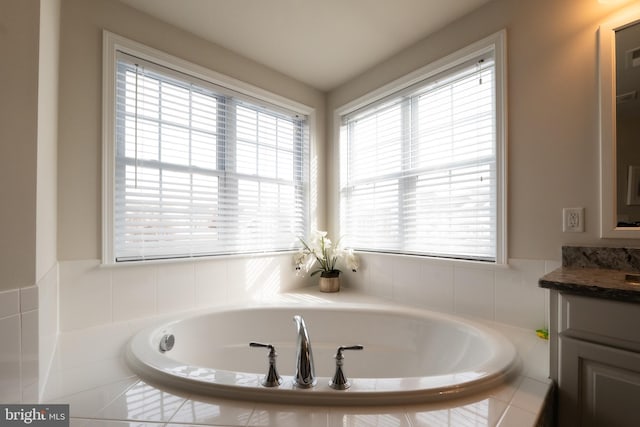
x: 573, y: 220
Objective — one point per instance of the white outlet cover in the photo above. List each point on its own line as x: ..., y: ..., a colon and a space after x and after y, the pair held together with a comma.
x: 573, y: 220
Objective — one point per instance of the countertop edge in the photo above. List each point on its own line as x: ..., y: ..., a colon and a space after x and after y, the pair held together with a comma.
x: 592, y: 282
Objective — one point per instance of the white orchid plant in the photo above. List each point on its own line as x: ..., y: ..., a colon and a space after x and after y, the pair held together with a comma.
x: 319, y: 249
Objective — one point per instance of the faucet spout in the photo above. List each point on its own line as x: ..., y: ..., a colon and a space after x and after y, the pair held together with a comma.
x: 305, y: 371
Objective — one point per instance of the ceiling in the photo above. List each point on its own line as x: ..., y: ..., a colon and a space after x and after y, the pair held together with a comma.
x: 322, y: 43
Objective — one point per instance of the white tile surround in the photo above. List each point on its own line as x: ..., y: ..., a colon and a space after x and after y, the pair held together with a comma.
x: 100, y: 307
x: 91, y: 295
x: 28, y: 333
x: 10, y: 336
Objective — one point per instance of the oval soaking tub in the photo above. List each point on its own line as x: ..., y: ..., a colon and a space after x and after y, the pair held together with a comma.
x: 409, y: 355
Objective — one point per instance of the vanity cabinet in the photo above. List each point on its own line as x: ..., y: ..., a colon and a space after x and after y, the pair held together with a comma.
x: 595, y: 360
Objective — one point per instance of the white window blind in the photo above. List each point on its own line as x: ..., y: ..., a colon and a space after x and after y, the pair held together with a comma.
x: 201, y: 170
x: 418, y: 172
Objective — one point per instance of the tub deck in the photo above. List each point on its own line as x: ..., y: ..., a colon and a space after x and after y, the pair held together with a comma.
x: 90, y: 374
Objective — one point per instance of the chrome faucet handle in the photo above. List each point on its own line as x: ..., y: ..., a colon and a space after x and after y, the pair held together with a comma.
x: 272, y: 379
x: 339, y: 380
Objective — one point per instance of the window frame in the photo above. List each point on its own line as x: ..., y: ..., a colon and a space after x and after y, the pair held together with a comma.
x: 496, y: 43
x: 112, y: 44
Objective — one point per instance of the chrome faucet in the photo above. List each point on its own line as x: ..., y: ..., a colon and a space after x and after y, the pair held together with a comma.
x: 305, y: 371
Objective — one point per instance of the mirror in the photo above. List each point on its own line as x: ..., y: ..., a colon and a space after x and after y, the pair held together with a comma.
x: 619, y: 70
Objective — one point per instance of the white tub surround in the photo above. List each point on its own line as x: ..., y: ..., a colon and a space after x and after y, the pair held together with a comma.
x: 28, y: 332
x: 91, y: 375
x: 48, y: 327
x: 92, y: 295
x: 410, y: 356
x: 10, y: 333
x: 19, y: 350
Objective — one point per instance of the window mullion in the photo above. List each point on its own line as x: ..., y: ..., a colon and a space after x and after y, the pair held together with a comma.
x: 301, y: 178
x: 161, y: 188
x: 192, y: 220
x: 230, y: 200
x: 406, y: 193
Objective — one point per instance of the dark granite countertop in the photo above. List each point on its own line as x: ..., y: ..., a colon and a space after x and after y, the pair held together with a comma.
x: 593, y: 282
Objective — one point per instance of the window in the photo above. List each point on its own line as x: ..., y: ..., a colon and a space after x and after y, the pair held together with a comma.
x: 422, y: 167
x: 200, y: 169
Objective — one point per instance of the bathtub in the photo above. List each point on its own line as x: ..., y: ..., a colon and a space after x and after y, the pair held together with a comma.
x: 409, y: 355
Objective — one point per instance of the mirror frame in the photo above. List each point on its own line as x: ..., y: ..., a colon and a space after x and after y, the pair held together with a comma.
x: 607, y: 100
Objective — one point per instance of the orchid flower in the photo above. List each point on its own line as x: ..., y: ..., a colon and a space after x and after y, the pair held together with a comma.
x: 351, y: 260
x: 321, y: 249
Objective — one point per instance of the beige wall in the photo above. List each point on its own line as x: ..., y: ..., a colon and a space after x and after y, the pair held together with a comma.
x: 18, y: 142
x: 80, y: 142
x: 552, y: 111
x: 47, y: 167
x: 552, y: 108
